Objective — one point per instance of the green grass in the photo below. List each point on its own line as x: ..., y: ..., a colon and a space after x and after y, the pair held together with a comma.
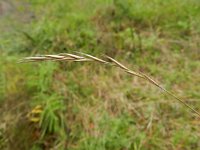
x: 89, y: 106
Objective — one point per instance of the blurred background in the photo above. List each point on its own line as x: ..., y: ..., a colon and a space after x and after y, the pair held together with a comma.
x: 87, y: 106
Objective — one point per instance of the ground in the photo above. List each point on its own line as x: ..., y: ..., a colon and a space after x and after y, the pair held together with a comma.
x: 86, y: 105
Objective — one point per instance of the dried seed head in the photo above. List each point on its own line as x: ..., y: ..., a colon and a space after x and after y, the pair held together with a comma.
x: 71, y: 55
x: 94, y: 58
x: 117, y: 63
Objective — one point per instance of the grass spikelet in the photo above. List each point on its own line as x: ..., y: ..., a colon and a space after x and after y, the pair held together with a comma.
x: 71, y: 55
x: 94, y: 58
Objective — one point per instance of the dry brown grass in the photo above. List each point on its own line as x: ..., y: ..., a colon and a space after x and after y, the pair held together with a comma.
x: 82, y: 57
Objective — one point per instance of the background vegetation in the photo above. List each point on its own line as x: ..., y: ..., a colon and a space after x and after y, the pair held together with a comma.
x: 87, y: 106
